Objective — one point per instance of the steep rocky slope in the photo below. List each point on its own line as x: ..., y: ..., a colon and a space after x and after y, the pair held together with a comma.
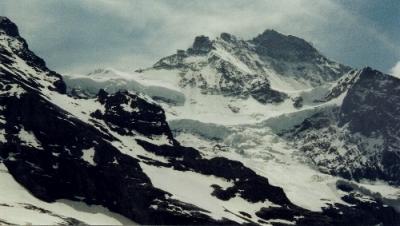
x: 360, y: 138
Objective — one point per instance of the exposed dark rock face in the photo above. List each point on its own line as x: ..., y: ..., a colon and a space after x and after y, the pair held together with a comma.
x: 342, y: 85
x: 240, y: 86
x: 359, y: 139
x: 228, y: 37
x: 263, y: 93
x: 8, y: 27
x: 201, y: 45
x: 371, y: 107
x: 276, y: 45
x: 372, y: 104
x: 298, y: 102
x: 127, y: 114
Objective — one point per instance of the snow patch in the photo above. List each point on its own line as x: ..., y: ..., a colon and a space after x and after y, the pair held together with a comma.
x: 29, y: 139
x: 2, y: 136
x: 88, y: 156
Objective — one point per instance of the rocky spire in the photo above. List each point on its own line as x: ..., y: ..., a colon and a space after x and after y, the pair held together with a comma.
x: 228, y: 37
x: 8, y: 27
x: 201, y: 45
x: 20, y: 48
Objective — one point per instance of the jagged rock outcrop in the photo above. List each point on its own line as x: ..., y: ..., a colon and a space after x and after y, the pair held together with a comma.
x: 127, y: 114
x: 201, y: 45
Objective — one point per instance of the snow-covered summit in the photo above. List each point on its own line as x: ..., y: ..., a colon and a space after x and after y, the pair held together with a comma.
x: 232, y: 66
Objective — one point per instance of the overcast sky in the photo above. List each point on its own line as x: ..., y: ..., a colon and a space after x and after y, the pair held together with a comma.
x: 76, y: 36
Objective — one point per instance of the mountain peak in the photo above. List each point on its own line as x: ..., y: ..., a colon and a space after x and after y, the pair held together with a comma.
x: 370, y: 73
x: 16, y: 47
x: 368, y: 70
x: 269, y: 35
x: 228, y: 37
x: 276, y: 45
x: 8, y: 26
x: 272, y: 32
x: 201, y: 45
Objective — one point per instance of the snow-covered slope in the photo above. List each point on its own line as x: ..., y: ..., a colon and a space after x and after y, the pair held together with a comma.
x: 112, y: 81
x: 190, y: 102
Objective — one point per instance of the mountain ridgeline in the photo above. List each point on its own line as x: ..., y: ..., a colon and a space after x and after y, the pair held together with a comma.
x: 230, y: 66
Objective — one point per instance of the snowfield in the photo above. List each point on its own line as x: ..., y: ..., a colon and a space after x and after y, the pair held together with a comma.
x: 190, y: 102
x: 249, y: 135
x: 112, y: 80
